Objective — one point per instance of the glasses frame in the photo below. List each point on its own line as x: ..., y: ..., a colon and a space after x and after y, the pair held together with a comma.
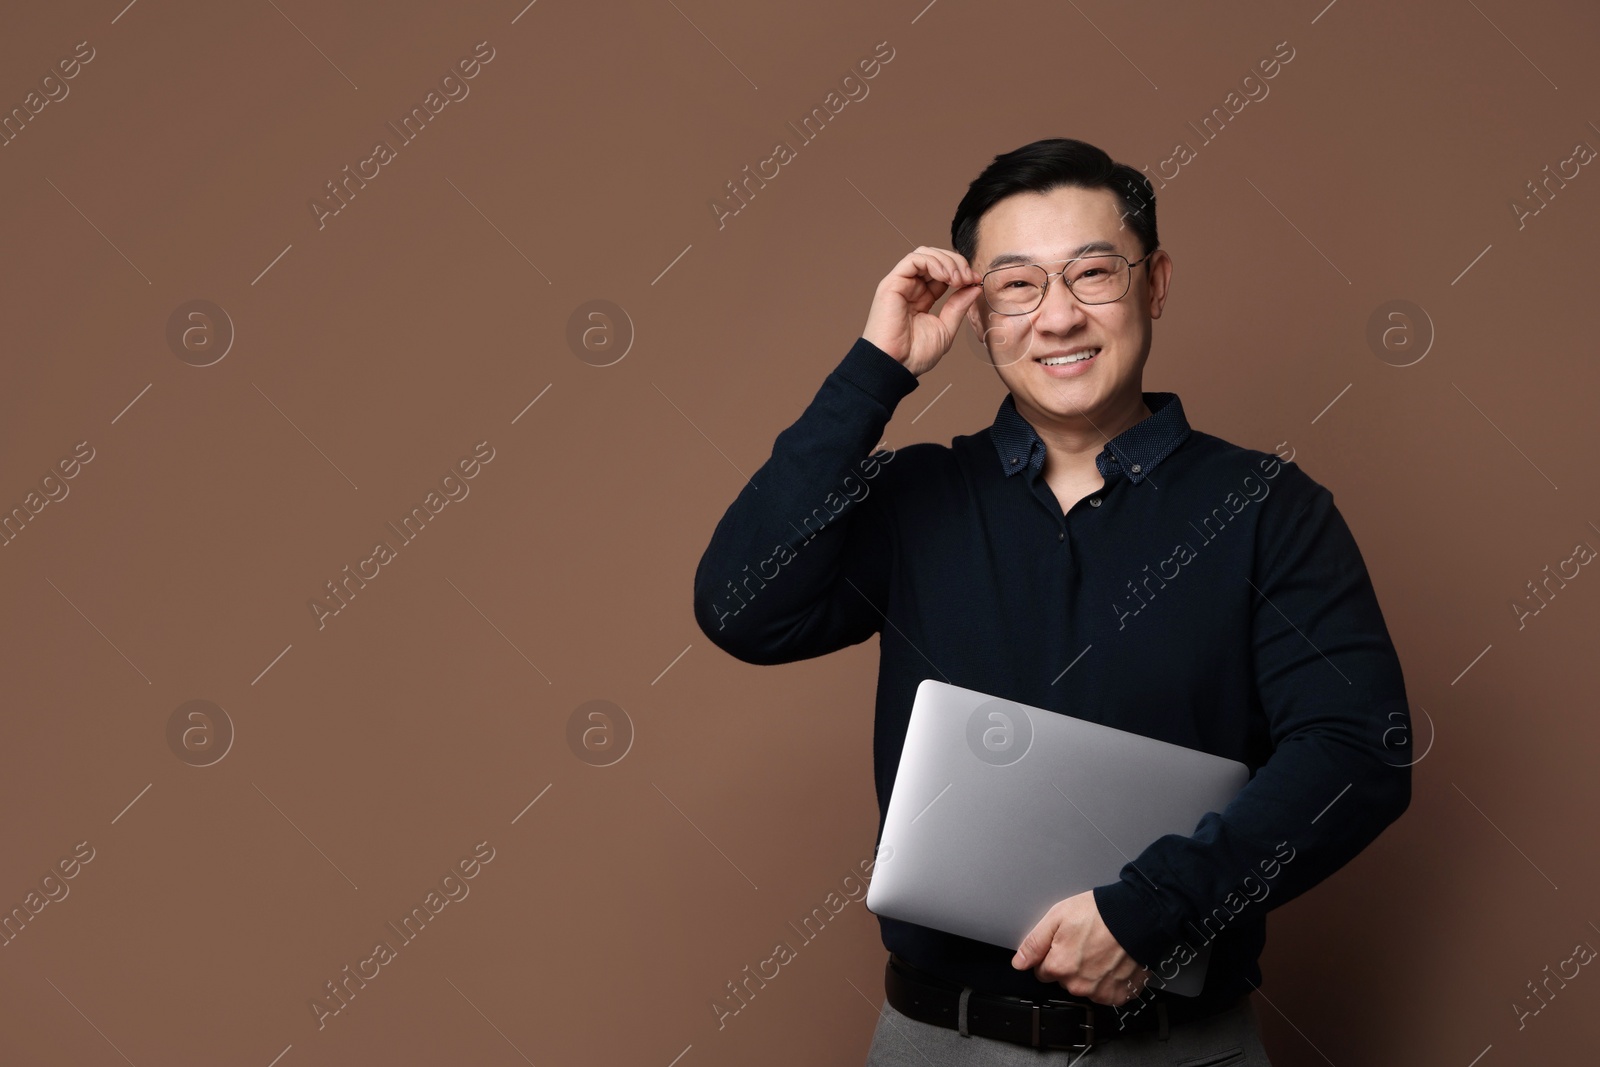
x: 1049, y: 276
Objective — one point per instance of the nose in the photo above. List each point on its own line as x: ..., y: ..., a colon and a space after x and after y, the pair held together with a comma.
x: 1061, y: 312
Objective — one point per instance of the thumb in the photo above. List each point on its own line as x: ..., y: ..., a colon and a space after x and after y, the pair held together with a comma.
x: 1033, y: 947
x: 957, y: 306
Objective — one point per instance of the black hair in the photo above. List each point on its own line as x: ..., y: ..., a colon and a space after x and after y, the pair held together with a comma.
x: 1049, y: 164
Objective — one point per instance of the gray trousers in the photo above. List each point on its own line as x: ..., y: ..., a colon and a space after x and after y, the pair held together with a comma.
x: 1230, y: 1039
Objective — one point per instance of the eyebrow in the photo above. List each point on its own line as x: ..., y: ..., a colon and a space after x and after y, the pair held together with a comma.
x: 1017, y: 257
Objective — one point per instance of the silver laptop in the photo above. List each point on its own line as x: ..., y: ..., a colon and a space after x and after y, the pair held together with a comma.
x: 1000, y: 810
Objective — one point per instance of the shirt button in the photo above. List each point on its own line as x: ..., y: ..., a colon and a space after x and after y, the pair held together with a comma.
x: 1061, y: 535
x: 1015, y: 460
x: 1137, y: 468
x: 1094, y: 501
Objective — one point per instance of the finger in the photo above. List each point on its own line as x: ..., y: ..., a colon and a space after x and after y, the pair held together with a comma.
x: 1034, y: 945
x: 923, y: 262
x: 957, y: 306
x: 923, y: 279
x: 959, y: 268
x: 910, y: 276
x: 915, y: 283
x: 1064, y: 963
x: 942, y: 265
x: 1078, y: 985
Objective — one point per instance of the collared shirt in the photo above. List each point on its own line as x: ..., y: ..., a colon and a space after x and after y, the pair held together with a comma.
x: 1135, y: 451
x: 1208, y: 595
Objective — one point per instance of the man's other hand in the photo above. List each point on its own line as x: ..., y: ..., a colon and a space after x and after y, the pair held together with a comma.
x: 900, y: 320
x: 1072, y: 947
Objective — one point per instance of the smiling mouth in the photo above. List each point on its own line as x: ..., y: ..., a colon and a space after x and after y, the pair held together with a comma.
x: 1071, y: 358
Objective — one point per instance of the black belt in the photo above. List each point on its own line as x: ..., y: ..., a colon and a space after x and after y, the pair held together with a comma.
x: 1044, y: 1023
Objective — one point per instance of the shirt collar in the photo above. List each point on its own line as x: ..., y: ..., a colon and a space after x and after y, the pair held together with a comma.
x: 1134, y: 452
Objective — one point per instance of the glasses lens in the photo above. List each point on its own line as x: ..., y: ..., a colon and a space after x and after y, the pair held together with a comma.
x: 1014, y: 290
x: 1098, y: 279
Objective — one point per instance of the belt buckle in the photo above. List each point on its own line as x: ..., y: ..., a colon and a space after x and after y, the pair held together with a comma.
x: 1087, y: 1025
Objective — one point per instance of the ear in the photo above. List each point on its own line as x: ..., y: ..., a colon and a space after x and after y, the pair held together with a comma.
x: 1158, y: 278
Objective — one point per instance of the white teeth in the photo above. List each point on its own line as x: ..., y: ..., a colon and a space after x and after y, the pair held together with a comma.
x: 1059, y: 361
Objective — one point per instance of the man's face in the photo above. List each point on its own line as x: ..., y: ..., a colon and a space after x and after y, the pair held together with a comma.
x: 1047, y: 228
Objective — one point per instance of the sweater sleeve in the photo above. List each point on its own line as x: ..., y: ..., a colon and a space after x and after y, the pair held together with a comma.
x: 1331, y: 688
x: 799, y: 564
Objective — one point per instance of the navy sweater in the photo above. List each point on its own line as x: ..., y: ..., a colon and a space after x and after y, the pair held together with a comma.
x: 1209, y: 595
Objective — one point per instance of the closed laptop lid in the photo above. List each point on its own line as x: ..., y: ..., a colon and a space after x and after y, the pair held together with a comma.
x: 1000, y: 810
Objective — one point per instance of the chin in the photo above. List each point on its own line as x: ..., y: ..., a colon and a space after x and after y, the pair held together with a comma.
x: 1070, y: 400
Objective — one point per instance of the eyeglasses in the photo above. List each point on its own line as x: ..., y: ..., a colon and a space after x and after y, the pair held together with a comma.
x: 1020, y: 290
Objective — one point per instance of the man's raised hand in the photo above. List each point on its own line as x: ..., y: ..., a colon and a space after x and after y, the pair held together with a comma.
x: 899, y: 321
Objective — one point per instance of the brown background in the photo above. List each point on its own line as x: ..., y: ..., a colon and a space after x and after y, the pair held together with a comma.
x: 372, y: 754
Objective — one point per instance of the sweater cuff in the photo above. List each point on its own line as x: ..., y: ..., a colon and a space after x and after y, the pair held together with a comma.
x: 876, y: 373
x: 1126, y: 914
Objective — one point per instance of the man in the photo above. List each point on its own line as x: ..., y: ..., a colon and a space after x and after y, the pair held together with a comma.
x: 1091, y: 554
